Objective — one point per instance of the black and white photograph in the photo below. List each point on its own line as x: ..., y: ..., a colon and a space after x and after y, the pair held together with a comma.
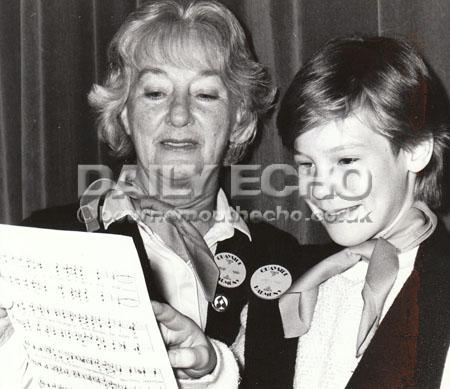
x: 224, y: 194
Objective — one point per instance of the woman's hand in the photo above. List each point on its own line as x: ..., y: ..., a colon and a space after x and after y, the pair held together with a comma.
x: 6, y: 328
x: 191, y: 353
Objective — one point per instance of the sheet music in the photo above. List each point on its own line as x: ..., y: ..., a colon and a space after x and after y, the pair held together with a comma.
x: 82, y: 308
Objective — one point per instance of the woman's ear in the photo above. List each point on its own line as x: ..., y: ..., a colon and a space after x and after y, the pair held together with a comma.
x: 124, y: 119
x: 419, y: 156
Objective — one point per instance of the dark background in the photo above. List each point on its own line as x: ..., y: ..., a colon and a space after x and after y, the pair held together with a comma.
x: 52, y: 51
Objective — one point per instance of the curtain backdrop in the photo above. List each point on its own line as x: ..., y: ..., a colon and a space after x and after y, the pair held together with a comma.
x: 52, y: 51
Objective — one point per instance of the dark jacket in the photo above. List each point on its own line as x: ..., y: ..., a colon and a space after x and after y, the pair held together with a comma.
x: 408, y: 350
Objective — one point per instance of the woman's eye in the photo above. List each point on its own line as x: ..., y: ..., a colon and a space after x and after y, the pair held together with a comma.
x: 207, y: 96
x: 347, y: 161
x: 154, y: 95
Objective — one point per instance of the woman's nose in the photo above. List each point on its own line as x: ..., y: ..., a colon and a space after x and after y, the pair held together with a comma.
x: 180, y: 111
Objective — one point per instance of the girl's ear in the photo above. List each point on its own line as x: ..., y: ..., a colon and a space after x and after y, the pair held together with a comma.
x: 419, y: 156
x: 124, y: 119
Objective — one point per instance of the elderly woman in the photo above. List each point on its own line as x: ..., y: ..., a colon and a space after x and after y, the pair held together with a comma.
x: 182, y: 98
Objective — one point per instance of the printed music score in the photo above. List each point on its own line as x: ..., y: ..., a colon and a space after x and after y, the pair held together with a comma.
x: 82, y: 311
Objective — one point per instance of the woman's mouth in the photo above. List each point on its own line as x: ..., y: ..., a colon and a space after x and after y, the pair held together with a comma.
x: 179, y: 144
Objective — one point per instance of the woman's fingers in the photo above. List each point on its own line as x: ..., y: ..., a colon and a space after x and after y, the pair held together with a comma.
x: 189, y: 349
x: 189, y: 357
x: 194, y: 361
x: 168, y: 316
x: 6, y: 328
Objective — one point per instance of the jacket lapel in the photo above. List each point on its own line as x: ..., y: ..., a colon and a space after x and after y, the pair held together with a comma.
x: 409, y: 348
x: 223, y: 313
x: 128, y: 228
x: 269, y: 357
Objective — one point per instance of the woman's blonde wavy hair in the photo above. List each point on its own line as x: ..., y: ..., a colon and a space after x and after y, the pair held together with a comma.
x: 165, y: 30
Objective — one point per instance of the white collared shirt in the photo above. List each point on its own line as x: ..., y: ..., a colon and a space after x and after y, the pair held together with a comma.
x: 177, y: 279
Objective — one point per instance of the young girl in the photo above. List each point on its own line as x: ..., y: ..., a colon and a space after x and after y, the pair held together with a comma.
x: 365, y: 122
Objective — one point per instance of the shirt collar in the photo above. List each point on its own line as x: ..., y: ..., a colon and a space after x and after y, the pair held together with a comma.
x: 357, y: 272
x: 226, y: 221
x: 118, y: 205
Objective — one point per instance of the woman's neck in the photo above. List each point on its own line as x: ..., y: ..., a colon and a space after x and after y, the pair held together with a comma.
x: 196, y: 197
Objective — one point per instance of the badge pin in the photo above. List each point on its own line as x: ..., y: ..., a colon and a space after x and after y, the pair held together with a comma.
x: 232, y: 270
x: 220, y: 303
x: 270, y: 281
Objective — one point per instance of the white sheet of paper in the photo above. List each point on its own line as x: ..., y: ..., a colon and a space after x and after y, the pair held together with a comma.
x: 82, y: 308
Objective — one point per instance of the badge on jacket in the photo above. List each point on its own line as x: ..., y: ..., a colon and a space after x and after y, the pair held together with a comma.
x: 220, y: 303
x: 270, y: 281
x: 232, y: 270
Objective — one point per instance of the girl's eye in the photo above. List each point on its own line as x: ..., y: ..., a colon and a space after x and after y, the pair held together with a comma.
x: 154, y: 95
x: 347, y: 161
x: 305, y: 168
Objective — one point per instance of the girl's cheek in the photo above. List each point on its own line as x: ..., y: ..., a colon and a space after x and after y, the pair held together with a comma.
x: 354, y: 184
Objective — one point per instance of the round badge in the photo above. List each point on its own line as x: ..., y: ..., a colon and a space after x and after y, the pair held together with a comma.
x: 270, y: 282
x: 232, y: 270
x: 220, y: 303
